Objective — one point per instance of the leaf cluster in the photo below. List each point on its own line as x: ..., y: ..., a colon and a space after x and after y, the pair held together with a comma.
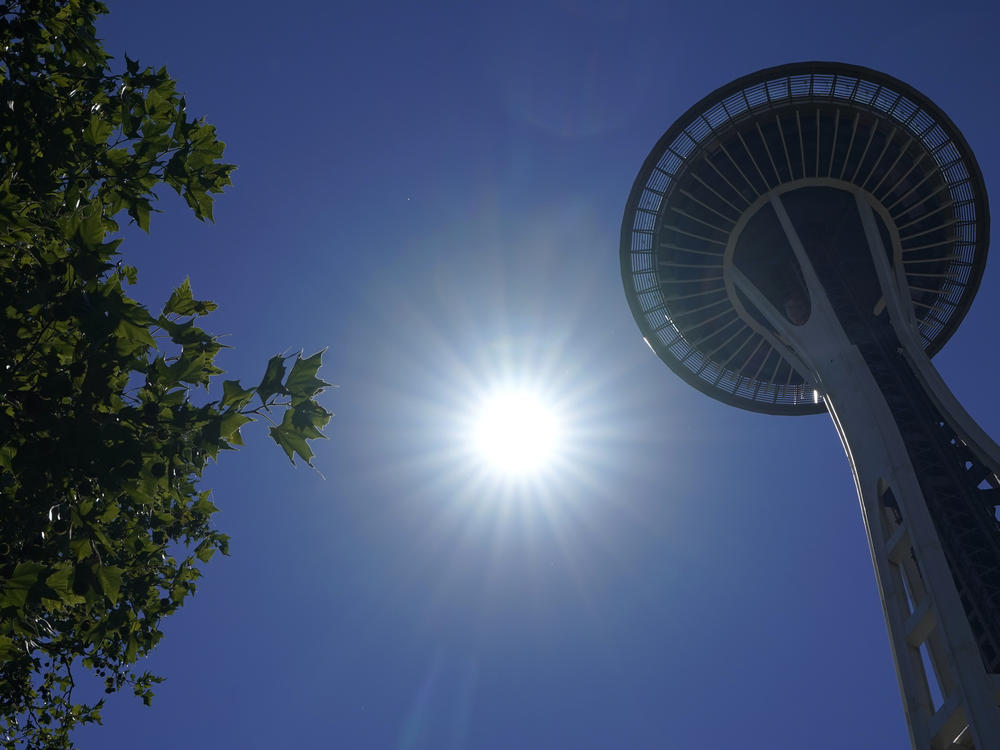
x: 103, y: 522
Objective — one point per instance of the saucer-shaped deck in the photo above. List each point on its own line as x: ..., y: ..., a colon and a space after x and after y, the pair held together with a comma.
x: 803, y: 124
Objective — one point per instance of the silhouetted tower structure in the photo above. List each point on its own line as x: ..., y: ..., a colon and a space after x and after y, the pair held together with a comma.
x: 802, y: 240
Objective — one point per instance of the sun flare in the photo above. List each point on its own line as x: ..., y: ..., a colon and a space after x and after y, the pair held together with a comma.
x: 516, y: 433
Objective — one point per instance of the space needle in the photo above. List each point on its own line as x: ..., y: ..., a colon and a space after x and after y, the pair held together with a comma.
x: 805, y: 239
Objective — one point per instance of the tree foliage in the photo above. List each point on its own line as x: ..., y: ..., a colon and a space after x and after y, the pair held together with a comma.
x: 103, y: 433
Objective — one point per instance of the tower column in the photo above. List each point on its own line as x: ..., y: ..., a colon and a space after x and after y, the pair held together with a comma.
x: 851, y: 351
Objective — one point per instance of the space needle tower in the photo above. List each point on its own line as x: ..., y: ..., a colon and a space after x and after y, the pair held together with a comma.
x: 805, y: 239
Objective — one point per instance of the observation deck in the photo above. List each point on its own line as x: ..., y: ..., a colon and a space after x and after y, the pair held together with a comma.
x: 802, y: 125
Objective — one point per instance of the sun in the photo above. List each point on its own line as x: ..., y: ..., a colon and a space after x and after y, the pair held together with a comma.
x: 516, y: 433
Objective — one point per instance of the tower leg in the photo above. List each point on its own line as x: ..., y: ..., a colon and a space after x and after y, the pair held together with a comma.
x: 925, y: 476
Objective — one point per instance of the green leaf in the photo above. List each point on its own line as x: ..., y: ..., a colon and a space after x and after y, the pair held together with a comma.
x: 271, y: 382
x: 196, y: 369
x: 130, y: 273
x: 230, y: 426
x: 110, y: 579
x: 131, y: 650
x: 91, y: 229
x: 132, y: 335
x: 81, y: 549
x: 140, y: 211
x: 302, y: 382
x: 235, y: 395
x: 291, y: 439
x: 203, y: 505
x: 61, y: 582
x: 308, y: 417
x: 98, y: 130
x: 14, y: 591
x: 181, y: 300
x: 8, y: 649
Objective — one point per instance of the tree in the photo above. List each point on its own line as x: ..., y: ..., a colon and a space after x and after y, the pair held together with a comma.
x: 104, y: 428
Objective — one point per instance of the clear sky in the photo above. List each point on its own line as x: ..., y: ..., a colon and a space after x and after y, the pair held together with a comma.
x: 434, y: 191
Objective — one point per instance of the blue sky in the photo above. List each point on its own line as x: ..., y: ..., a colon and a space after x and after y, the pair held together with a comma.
x: 434, y: 191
